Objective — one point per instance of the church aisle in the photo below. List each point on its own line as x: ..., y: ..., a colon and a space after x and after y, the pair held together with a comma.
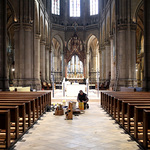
x: 93, y: 130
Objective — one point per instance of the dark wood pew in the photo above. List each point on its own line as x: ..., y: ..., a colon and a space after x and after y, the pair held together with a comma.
x: 44, y: 97
x: 14, y: 117
x: 122, y: 106
x: 127, y: 109
x: 18, y: 99
x: 146, y: 129
x: 138, y: 119
x: 28, y: 103
x: 5, y: 118
x: 27, y: 108
x: 21, y: 112
x: 130, y: 112
x: 110, y: 97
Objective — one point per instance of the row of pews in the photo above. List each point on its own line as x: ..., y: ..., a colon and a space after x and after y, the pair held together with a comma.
x: 132, y: 111
x: 18, y: 112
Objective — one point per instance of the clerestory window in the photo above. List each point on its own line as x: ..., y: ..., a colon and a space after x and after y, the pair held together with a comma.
x: 93, y: 7
x: 56, y: 7
x: 74, y: 8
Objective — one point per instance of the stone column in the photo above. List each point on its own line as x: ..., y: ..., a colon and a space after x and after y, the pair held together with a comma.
x: 112, y: 62
x: 87, y: 65
x: 103, y: 64
x: 108, y: 60
x: 122, y: 64
x: 37, y: 61
x: 50, y: 64
x: 3, y: 52
x: 23, y: 39
x: 94, y: 75
x: 42, y: 60
x: 47, y: 64
x: 100, y: 57
x: 131, y: 47
x: 84, y: 69
x: 55, y: 63
x: 28, y: 54
x: 146, y: 85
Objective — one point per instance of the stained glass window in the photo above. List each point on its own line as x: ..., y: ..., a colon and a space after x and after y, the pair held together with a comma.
x: 93, y: 7
x: 74, y: 8
x: 56, y: 7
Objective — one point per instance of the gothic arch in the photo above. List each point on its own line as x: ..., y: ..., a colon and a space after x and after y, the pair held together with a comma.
x: 59, y: 39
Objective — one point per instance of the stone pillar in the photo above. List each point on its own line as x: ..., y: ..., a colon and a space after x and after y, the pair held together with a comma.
x: 146, y: 85
x: 47, y: 64
x: 108, y: 61
x: 112, y: 62
x: 28, y: 54
x: 103, y: 64
x: 50, y: 64
x: 101, y: 71
x: 42, y: 60
x: 84, y: 69
x: 23, y: 39
x: 55, y: 63
x: 3, y: 52
x: 122, y: 64
x: 87, y: 65
x: 131, y: 47
x: 37, y: 62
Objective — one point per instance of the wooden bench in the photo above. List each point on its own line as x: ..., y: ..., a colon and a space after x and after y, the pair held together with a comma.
x: 30, y: 105
x: 21, y: 113
x: 5, y: 125
x: 127, y: 109
x: 138, y: 119
x: 146, y: 128
x: 14, y: 117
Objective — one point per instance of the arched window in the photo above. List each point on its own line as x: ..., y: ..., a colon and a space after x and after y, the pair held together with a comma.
x: 56, y: 7
x: 93, y: 7
x: 74, y: 8
x: 75, y: 68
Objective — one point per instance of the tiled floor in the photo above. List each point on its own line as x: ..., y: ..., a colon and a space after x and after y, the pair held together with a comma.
x: 93, y: 130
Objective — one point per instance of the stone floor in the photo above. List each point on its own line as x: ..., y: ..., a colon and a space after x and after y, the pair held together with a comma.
x: 92, y: 130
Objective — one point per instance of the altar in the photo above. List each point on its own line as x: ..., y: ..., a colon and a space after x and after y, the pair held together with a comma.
x: 73, y: 89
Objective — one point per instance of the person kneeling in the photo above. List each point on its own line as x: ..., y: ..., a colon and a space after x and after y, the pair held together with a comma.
x: 82, y: 97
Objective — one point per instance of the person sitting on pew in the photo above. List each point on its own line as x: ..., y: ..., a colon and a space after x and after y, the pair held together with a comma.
x: 82, y: 97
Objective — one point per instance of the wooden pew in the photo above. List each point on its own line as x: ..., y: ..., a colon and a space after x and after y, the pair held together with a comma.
x: 130, y: 113
x: 21, y: 112
x: 127, y: 108
x: 28, y: 103
x: 14, y: 117
x: 5, y: 118
x: 18, y: 99
x: 146, y: 128
x: 138, y: 118
x: 27, y: 108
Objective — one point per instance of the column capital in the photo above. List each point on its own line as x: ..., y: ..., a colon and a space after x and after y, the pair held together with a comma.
x: 27, y: 26
x: 111, y: 36
x: 133, y: 26
x: 107, y: 43
x: 42, y: 42
x: 122, y: 27
x: 37, y: 36
x: 47, y: 47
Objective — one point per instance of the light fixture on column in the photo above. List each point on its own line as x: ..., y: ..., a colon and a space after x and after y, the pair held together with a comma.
x: 13, y: 69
